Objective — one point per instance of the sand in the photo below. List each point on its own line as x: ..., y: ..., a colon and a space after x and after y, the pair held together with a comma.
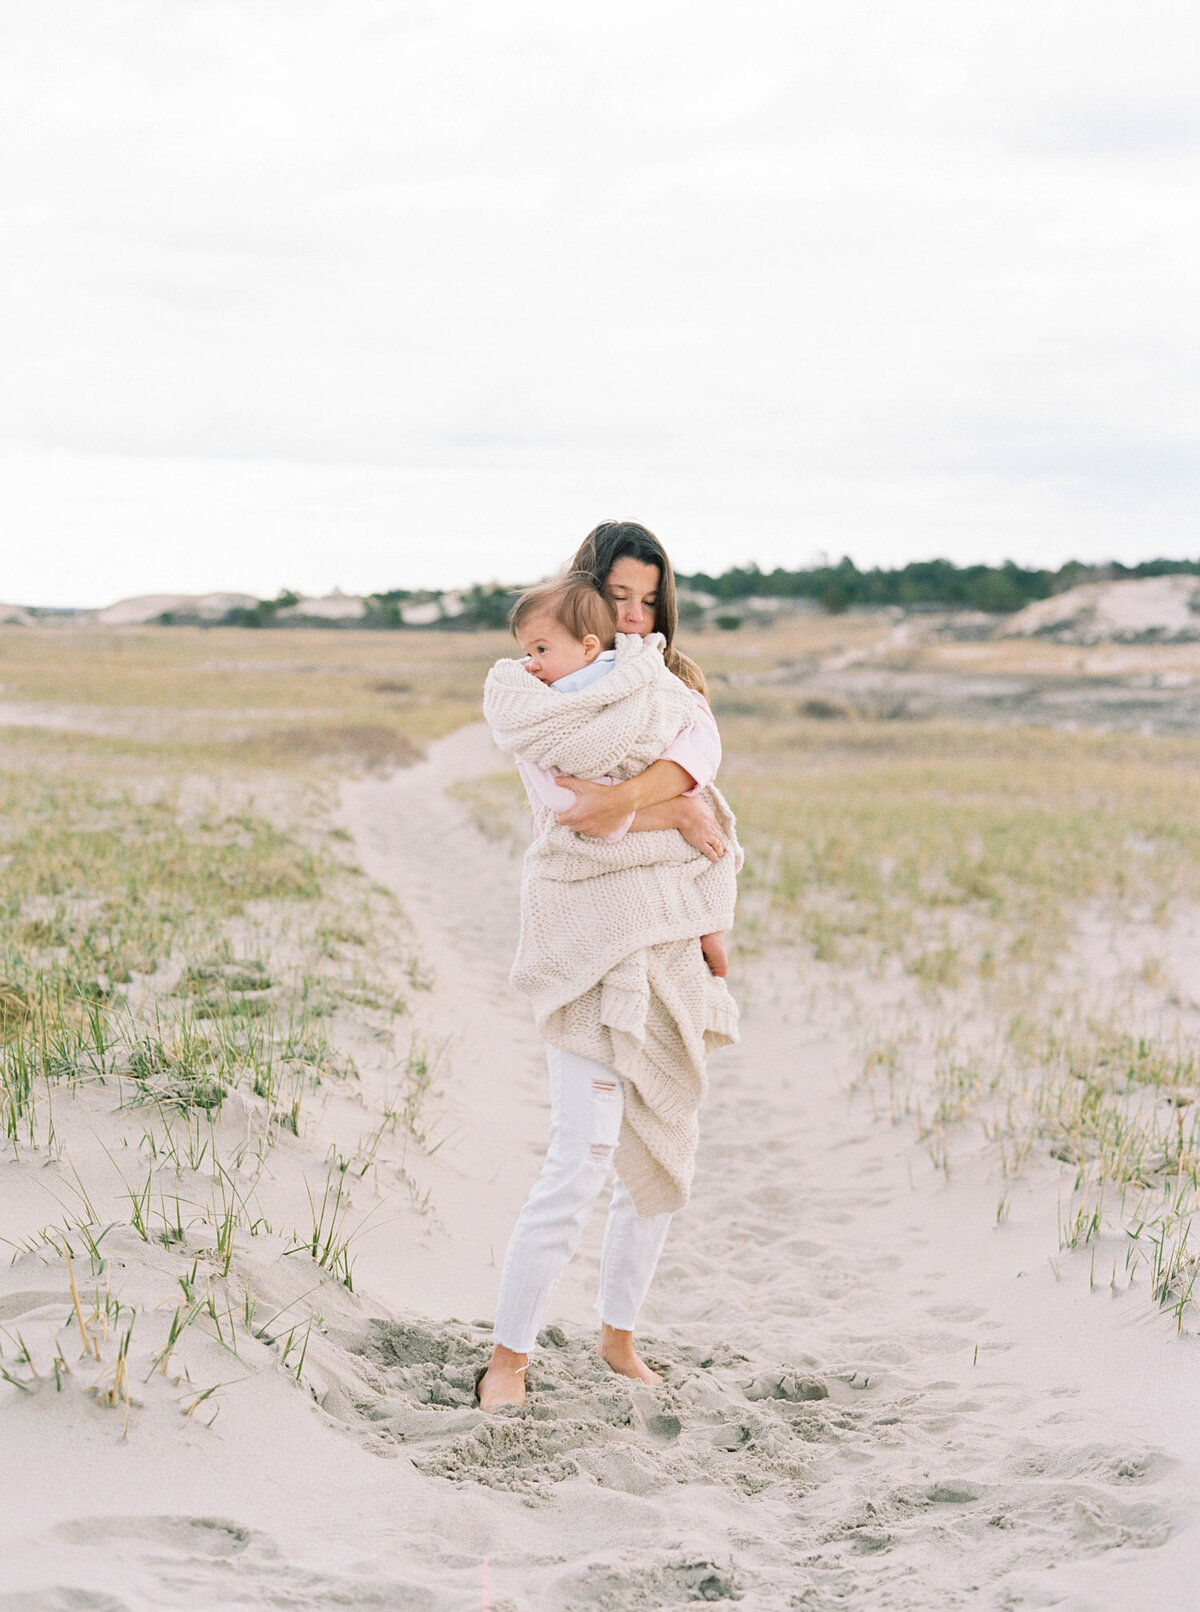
x: 874, y: 1395
x: 149, y: 607
x: 1148, y: 609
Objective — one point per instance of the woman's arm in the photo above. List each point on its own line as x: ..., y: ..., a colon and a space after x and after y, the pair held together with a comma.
x: 667, y: 789
x: 542, y: 787
x: 601, y: 808
x: 686, y: 812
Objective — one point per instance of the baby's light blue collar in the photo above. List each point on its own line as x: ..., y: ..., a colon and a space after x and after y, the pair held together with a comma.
x: 592, y: 673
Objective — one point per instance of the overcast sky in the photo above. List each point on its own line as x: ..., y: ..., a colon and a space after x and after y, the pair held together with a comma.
x: 381, y: 293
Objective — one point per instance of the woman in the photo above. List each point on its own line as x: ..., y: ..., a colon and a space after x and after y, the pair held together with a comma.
x: 627, y: 562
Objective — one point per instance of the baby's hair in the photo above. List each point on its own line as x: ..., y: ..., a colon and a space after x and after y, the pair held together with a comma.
x: 575, y: 602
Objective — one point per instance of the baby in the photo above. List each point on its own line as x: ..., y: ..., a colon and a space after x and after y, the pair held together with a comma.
x: 567, y: 630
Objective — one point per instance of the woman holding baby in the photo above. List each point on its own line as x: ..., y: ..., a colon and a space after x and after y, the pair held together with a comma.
x: 626, y: 890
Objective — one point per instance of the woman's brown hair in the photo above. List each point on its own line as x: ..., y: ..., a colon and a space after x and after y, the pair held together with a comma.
x: 627, y: 540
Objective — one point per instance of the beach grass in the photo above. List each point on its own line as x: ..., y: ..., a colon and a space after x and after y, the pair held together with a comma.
x: 912, y: 837
x: 191, y: 958
x: 234, y: 697
x: 182, y: 928
x: 983, y: 876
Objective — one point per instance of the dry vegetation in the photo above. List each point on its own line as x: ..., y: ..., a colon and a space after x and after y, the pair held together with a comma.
x: 1012, y: 909
x: 243, y: 698
x: 187, y: 950
x: 195, y: 975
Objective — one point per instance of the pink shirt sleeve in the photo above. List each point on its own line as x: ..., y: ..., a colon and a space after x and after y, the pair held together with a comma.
x: 698, y: 748
x: 541, y: 788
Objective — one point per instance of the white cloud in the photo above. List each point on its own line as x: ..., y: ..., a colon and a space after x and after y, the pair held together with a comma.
x: 384, y: 294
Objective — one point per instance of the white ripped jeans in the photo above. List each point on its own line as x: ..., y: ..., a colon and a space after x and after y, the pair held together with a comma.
x: 586, y: 1103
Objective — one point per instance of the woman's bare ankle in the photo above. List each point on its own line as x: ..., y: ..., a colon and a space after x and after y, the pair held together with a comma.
x: 507, y: 1359
x: 503, y: 1380
x: 618, y: 1351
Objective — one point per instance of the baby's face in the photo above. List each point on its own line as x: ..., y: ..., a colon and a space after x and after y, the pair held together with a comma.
x: 550, y: 651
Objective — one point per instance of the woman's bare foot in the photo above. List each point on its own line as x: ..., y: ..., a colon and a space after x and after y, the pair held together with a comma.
x: 503, y: 1383
x: 616, y: 1350
x: 713, y: 947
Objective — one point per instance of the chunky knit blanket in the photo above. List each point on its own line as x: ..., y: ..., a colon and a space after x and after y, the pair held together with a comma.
x: 609, y: 952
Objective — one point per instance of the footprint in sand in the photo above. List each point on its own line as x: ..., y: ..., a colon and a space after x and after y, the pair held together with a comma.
x: 645, y: 1586
x: 202, y: 1563
x: 197, y: 1536
x: 61, y: 1598
x: 14, y: 1306
x: 1095, y: 1461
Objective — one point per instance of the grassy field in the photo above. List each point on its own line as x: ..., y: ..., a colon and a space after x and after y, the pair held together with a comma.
x: 1014, y: 909
x: 247, y: 698
x: 983, y: 879
x: 184, y: 934
x: 194, y: 973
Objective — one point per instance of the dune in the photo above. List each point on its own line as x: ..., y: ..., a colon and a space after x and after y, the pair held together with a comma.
x: 335, y: 606
x: 145, y: 608
x: 1144, y: 610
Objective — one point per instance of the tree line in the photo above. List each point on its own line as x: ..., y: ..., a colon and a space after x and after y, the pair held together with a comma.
x: 997, y: 589
x: 922, y: 584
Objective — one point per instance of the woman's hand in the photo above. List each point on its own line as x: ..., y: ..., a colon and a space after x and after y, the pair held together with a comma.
x: 599, y: 809
x: 697, y: 822
x: 691, y: 816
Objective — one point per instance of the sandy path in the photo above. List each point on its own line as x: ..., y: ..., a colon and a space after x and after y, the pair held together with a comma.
x: 460, y: 894
x: 874, y: 1397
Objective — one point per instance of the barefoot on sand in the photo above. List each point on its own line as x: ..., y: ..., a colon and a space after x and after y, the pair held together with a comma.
x: 502, y: 1381
x: 617, y: 1351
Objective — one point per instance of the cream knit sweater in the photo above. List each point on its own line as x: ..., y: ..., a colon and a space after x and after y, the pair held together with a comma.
x: 608, y: 952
